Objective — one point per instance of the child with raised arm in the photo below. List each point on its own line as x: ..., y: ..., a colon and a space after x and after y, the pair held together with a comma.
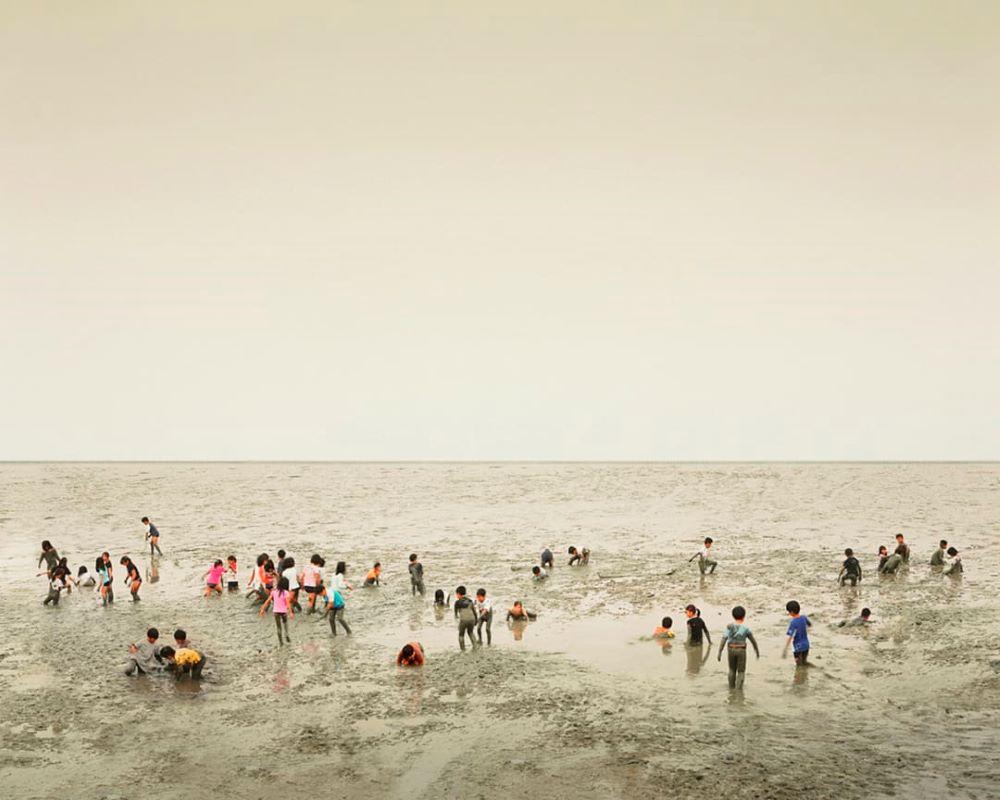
x: 798, y: 633
x: 706, y: 564
x: 735, y: 639
x: 850, y: 570
x: 280, y: 599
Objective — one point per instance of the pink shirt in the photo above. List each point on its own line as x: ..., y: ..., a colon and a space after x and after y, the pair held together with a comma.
x: 215, y: 574
x: 280, y: 599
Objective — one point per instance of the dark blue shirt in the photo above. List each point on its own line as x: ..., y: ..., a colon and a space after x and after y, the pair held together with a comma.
x: 797, y: 629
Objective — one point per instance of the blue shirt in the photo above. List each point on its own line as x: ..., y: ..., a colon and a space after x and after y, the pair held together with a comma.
x: 797, y: 629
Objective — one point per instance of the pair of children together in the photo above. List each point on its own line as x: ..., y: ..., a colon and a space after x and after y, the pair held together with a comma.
x: 281, y: 600
x: 149, y: 658
x: 736, y: 636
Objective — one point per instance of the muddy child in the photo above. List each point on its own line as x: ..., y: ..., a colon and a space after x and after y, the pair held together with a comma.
x: 734, y: 641
x: 416, y: 576
x: 465, y: 613
x: 798, y: 633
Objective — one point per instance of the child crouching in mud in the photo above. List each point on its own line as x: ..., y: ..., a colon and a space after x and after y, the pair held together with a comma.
x: 735, y: 638
x: 186, y: 661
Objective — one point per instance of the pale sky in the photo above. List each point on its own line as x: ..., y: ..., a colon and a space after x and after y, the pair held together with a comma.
x: 523, y: 230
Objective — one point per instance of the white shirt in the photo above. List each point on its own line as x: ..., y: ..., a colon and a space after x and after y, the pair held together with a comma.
x: 484, y: 608
x: 703, y: 553
x: 311, y: 575
x: 293, y: 580
x: 339, y: 583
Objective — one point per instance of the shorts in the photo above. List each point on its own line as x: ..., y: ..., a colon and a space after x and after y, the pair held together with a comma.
x: 311, y: 589
x: 801, y: 656
x: 233, y: 585
x: 212, y: 585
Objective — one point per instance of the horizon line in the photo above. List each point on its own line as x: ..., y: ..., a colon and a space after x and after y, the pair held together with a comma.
x: 491, y: 461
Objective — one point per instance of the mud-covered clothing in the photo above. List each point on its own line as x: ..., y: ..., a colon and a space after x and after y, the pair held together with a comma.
x: 51, y: 559
x: 955, y: 568
x: 547, y: 558
x: 891, y: 564
x: 696, y: 628
x: 939, y: 557
x: 903, y: 551
x: 417, y: 577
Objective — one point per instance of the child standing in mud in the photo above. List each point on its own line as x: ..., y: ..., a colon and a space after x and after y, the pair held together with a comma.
x: 213, y: 577
x: 955, y: 564
x: 850, y: 570
x: 798, y: 633
x: 696, y: 627
x: 132, y: 577
x: 484, y: 611
x: 465, y: 613
x: 280, y: 599
x: 939, y: 556
x: 152, y: 536
x: 706, y: 564
x: 232, y: 575
x: 335, y: 610
x: 416, y: 576
x: 735, y: 638
x: 104, y: 577
x: 291, y: 574
x: 49, y: 556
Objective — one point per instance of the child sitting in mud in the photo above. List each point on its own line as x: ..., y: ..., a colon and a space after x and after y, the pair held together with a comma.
x: 519, y: 612
x: 955, y: 563
x: 412, y: 655
x: 736, y: 637
x: 663, y: 631
x: 373, y: 578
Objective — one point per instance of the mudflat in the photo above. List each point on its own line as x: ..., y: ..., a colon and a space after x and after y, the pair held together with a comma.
x: 580, y: 703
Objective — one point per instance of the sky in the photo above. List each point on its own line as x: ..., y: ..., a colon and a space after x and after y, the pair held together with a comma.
x: 641, y: 230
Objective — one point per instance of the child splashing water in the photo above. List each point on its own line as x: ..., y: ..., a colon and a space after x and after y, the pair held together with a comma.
x: 282, y: 611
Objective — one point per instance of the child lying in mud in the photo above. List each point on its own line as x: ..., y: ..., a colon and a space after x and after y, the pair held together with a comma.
x: 519, y: 612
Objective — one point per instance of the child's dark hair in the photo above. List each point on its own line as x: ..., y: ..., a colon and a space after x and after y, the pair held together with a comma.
x: 536, y: 570
x: 793, y: 607
x: 377, y: 565
x: 316, y: 559
x: 46, y: 545
x: 152, y: 633
x: 708, y: 540
x: 125, y: 560
x: 282, y: 584
x: 407, y: 651
x: 269, y: 566
x: 943, y: 543
x: 413, y: 557
x: 289, y: 562
x: 341, y: 567
x: 167, y: 651
x: 480, y: 592
x: 144, y: 519
x: 439, y: 597
x: 952, y: 551
x: 261, y: 559
x: 848, y: 552
x: 180, y: 635
x: 883, y: 549
x: 230, y: 558
x: 899, y: 536
x: 218, y: 562
x: 666, y: 622
x: 98, y: 563
x: 460, y: 590
x: 739, y: 612
x: 571, y: 551
x: 281, y: 554
x: 865, y: 613
x: 83, y: 568
x: 693, y: 608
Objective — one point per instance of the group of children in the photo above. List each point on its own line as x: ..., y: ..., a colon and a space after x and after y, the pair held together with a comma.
x: 944, y: 559
x: 60, y: 577
x: 149, y: 658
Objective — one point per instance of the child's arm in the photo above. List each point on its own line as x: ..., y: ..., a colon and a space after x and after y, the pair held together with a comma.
x: 754, y: 643
x: 722, y: 645
x: 266, y: 603
x: 708, y: 637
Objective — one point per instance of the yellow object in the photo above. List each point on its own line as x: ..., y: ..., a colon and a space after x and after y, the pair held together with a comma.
x: 185, y: 657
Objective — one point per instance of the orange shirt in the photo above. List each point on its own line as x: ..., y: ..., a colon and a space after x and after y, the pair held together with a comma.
x: 373, y: 573
x: 663, y: 633
x: 416, y: 660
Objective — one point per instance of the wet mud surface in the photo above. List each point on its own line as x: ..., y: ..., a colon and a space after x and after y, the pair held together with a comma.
x: 578, y: 704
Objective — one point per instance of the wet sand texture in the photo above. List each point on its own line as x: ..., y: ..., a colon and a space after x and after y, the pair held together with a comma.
x: 578, y: 704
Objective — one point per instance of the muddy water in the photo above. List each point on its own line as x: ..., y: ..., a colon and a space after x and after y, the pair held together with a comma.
x: 579, y: 703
